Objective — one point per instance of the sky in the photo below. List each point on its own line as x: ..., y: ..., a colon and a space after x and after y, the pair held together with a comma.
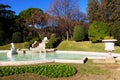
x: 20, y: 5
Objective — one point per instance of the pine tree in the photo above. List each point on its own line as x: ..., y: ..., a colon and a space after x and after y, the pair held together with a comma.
x: 104, y: 10
x: 114, y: 11
x: 107, y: 11
x: 93, y: 10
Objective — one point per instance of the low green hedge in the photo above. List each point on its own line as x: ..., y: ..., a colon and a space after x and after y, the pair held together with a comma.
x: 45, y: 70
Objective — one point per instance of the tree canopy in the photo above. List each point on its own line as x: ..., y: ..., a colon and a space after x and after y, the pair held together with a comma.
x: 7, y: 23
x: 33, y: 16
x: 67, y: 15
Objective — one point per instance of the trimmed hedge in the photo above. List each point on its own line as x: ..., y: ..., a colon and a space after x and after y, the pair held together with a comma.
x: 17, y: 37
x: 54, y: 41
x: 97, y: 31
x: 29, y: 44
x: 79, y: 33
x: 45, y: 70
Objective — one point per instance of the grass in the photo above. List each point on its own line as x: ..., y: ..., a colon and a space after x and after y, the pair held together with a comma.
x: 84, y: 46
x: 87, y: 69
x: 8, y: 46
x: 70, y: 45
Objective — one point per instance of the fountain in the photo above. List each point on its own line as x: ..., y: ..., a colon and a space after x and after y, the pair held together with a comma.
x: 41, y: 46
x: 30, y: 56
x: 11, y: 52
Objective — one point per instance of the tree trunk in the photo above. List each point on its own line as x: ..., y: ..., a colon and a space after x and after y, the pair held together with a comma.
x: 67, y: 35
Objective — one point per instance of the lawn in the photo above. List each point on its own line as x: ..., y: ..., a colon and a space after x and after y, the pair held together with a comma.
x: 87, y: 71
x: 70, y: 45
x: 8, y: 46
x: 84, y: 46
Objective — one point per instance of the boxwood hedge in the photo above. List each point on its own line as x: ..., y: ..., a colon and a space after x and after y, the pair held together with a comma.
x: 45, y: 70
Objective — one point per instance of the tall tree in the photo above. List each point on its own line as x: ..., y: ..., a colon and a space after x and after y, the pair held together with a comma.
x: 32, y: 19
x: 65, y: 13
x: 93, y: 10
x: 104, y: 10
x: 33, y: 16
x: 114, y: 10
x: 7, y: 22
x: 109, y: 12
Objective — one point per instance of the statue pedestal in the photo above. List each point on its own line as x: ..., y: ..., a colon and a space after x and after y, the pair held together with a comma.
x: 110, y: 59
x: 109, y: 47
x: 109, y: 44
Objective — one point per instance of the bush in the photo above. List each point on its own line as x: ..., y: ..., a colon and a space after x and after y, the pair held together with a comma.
x: 29, y: 44
x: 79, y: 33
x: 45, y: 70
x: 97, y: 31
x: 116, y: 32
x: 54, y: 41
x: 16, y: 37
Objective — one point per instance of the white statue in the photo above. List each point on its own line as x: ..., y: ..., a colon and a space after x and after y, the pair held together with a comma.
x: 12, y: 44
x: 11, y: 52
x: 42, y: 47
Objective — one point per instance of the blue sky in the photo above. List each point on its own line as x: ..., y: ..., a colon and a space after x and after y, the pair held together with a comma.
x: 19, y: 5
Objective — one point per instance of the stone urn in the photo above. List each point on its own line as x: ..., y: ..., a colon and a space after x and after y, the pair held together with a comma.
x: 109, y: 47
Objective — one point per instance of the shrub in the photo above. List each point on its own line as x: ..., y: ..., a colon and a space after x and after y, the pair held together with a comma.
x: 79, y: 33
x: 108, y: 37
x: 41, y: 36
x: 97, y: 31
x: 116, y: 32
x: 45, y: 70
x: 16, y: 37
x: 29, y: 44
x: 54, y: 41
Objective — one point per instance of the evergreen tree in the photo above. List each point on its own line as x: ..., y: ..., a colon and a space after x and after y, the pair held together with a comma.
x: 104, y: 10
x: 93, y: 10
x: 7, y: 23
x: 97, y: 31
x: 107, y: 11
x: 114, y: 12
x: 79, y: 33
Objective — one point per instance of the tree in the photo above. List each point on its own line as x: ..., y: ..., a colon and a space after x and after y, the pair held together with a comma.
x: 79, y: 33
x: 116, y: 32
x: 7, y: 22
x: 97, y: 31
x: 17, y: 37
x: 2, y: 37
x: 32, y: 19
x: 33, y: 16
x: 93, y: 11
x: 65, y: 12
x: 114, y: 10
x: 104, y: 11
